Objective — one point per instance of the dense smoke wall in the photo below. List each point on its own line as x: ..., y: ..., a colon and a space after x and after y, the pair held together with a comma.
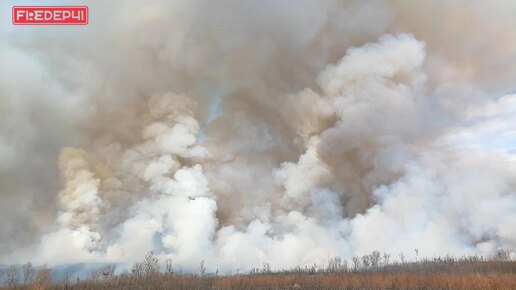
x: 242, y: 133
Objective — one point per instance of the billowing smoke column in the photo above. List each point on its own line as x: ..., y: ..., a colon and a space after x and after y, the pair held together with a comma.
x: 259, y: 132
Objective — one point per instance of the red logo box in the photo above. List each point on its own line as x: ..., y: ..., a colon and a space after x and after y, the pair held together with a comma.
x: 50, y: 15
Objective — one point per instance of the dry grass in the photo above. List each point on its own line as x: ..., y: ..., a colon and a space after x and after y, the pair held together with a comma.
x: 442, y: 273
x: 299, y: 281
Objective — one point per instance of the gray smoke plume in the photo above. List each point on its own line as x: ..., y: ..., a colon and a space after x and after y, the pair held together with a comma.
x: 243, y: 133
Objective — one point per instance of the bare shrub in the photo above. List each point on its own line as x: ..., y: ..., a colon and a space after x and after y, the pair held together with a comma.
x: 356, y: 263
x: 502, y: 255
x: 337, y: 264
x: 386, y: 258
x: 366, y: 261
x: 27, y: 273
x: 137, y: 270
x: 150, y: 264
x: 12, y: 276
x: 375, y: 258
x: 266, y: 268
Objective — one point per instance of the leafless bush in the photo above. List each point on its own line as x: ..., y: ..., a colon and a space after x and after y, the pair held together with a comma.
x: 266, y: 268
x: 337, y: 264
x: 375, y: 259
x: 386, y: 258
x: 137, y: 270
x: 502, y: 255
x: 150, y: 265
x: 12, y: 276
x: 27, y: 273
x: 356, y: 263
x: 366, y: 261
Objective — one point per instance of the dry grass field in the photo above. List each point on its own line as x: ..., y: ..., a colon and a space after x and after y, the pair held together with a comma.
x: 364, y: 273
x: 303, y: 281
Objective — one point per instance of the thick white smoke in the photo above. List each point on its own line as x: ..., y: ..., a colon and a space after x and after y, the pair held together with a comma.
x: 259, y: 132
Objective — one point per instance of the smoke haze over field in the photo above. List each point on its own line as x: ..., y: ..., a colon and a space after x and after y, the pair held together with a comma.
x: 245, y: 132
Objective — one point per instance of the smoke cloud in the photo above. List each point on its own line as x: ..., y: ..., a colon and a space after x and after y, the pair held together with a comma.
x: 242, y: 133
